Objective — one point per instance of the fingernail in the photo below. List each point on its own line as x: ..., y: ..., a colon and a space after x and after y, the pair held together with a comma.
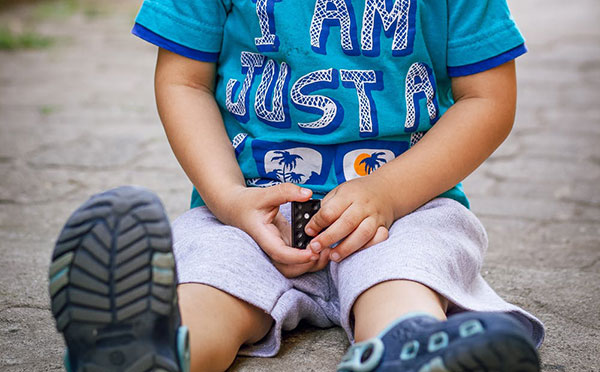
x: 335, y: 256
x: 306, y: 192
x: 310, y: 231
x: 315, y: 246
x: 314, y: 258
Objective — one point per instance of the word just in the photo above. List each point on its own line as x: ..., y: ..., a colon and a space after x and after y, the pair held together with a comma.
x: 271, y: 98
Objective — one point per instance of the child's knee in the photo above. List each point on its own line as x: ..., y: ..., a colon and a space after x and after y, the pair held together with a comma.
x: 219, y: 325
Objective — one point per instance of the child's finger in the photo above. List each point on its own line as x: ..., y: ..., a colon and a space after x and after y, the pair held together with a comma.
x: 343, y: 226
x: 364, y: 233
x: 381, y: 235
x: 271, y: 242
x: 292, y: 271
x: 286, y: 192
x: 329, y: 213
x: 323, y: 261
x: 284, y: 228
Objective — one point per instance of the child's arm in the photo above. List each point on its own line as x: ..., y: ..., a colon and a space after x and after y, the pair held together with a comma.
x: 194, y: 127
x: 360, y: 211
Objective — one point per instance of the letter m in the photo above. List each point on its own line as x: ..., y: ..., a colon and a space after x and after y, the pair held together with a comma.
x: 397, y: 19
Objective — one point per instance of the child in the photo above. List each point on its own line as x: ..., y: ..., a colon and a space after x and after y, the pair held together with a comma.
x: 379, y: 108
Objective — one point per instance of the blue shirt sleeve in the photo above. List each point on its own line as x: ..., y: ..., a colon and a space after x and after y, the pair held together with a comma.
x: 193, y: 29
x: 481, y: 35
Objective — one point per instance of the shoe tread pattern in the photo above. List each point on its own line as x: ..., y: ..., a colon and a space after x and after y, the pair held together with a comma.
x: 102, y: 266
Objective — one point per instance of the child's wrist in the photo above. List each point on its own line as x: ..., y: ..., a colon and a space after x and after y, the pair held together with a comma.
x: 223, y: 201
x: 399, y: 195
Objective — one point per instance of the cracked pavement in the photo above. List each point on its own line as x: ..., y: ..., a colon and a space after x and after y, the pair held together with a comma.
x: 79, y: 117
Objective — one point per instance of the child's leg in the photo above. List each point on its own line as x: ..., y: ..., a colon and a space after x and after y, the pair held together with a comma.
x: 235, y: 272
x: 219, y: 324
x: 400, y: 324
x: 385, y: 302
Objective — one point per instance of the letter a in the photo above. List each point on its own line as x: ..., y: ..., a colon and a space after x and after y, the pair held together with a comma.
x: 332, y: 13
x: 420, y: 83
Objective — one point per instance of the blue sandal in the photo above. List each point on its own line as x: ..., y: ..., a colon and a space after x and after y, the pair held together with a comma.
x: 113, y: 286
x: 470, y: 341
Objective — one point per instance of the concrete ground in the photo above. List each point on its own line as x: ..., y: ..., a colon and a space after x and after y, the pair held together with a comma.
x: 78, y: 117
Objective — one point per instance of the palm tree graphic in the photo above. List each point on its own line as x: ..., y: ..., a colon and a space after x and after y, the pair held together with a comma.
x: 296, y: 177
x: 288, y: 161
x: 373, y: 162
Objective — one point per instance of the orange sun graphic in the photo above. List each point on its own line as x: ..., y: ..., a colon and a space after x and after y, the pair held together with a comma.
x: 359, y: 168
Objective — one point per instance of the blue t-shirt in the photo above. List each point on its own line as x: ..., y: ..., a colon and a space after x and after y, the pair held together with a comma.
x: 318, y: 92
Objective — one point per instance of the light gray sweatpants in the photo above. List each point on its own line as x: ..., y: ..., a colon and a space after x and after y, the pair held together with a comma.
x: 440, y: 245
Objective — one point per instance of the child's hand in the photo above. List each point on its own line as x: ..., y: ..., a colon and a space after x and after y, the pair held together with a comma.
x: 358, y: 213
x: 256, y: 211
x: 292, y: 271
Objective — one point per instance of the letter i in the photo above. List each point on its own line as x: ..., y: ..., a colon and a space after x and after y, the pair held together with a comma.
x: 268, y: 42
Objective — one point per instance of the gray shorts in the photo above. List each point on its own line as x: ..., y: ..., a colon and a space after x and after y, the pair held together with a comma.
x: 440, y: 245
